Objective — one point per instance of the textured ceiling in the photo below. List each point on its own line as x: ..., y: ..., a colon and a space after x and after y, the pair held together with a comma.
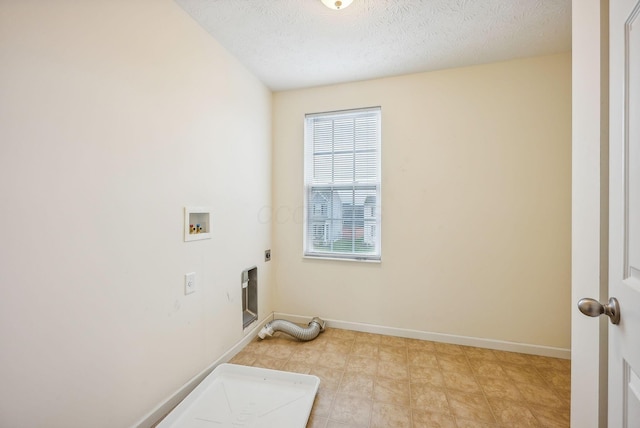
x: 292, y: 44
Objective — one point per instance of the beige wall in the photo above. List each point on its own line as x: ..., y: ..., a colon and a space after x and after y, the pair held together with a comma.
x: 476, y: 166
x: 114, y: 115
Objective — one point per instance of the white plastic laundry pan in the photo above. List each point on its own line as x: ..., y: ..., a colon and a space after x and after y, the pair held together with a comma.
x: 236, y: 396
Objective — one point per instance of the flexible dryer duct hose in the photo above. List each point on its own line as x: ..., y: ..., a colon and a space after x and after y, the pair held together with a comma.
x: 315, y: 327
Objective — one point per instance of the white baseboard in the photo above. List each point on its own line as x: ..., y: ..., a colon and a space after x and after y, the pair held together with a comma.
x: 499, y: 345
x: 155, y: 415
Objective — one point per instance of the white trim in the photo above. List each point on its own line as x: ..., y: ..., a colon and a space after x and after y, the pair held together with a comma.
x: 342, y: 113
x: 162, y: 409
x: 344, y: 259
x: 499, y: 345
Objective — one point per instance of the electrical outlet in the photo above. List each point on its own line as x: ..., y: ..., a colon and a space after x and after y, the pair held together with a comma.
x: 267, y: 255
x: 189, y: 283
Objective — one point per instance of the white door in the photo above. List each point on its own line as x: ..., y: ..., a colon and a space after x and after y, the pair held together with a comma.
x: 624, y: 214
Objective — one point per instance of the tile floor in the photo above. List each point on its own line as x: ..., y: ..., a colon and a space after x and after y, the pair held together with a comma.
x: 375, y: 381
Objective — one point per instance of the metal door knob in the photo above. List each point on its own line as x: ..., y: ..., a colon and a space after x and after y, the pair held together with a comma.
x: 593, y: 308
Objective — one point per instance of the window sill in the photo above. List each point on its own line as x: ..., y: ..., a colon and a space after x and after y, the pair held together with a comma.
x: 342, y: 259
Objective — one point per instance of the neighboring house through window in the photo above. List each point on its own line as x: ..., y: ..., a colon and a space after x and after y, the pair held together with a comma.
x: 342, y: 184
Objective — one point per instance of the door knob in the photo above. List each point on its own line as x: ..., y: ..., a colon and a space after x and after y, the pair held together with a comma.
x: 593, y: 308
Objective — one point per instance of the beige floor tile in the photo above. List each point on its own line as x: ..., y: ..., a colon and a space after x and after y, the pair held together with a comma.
x: 372, y: 338
x: 449, y: 349
x: 396, y: 354
x: 523, y: 374
x: 339, y: 333
x: 513, y: 413
x: 370, y: 380
x: 539, y: 395
x: 305, y: 355
x: 255, y: 347
x: 338, y: 345
x: 244, y: 358
x: 267, y: 362
x: 365, y: 349
x: 353, y: 410
x: 454, y: 363
x: 329, y: 378
x: 512, y: 357
x: 421, y: 345
x: 428, y: 375
x: 552, y: 417
x: 558, y: 379
x: 337, y: 424
x: 273, y: 344
x: 550, y: 363
x: 393, y: 370
x: 486, y: 368
x: 316, y: 422
x: 426, y: 419
x: 501, y: 389
x: 322, y: 403
x: 364, y: 365
x: 357, y: 384
x: 470, y: 406
x: 463, y: 382
x: 316, y: 345
x: 386, y: 415
x: 466, y: 423
x: 392, y: 391
x: 429, y: 398
x: 565, y: 396
x: 393, y: 341
x: 479, y: 353
x: 332, y: 360
x: 422, y: 358
x: 296, y: 367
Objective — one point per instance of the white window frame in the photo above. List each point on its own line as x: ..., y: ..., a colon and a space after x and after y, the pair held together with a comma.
x: 372, y: 186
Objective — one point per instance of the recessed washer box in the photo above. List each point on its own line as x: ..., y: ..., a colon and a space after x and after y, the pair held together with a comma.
x: 197, y: 223
x: 233, y: 396
x: 249, y: 296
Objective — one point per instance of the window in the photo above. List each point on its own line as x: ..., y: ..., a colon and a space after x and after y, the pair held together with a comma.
x: 342, y: 184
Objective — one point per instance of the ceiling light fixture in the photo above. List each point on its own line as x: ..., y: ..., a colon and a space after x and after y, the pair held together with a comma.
x: 336, y: 4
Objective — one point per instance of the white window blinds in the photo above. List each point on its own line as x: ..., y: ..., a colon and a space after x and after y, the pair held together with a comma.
x: 342, y: 184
